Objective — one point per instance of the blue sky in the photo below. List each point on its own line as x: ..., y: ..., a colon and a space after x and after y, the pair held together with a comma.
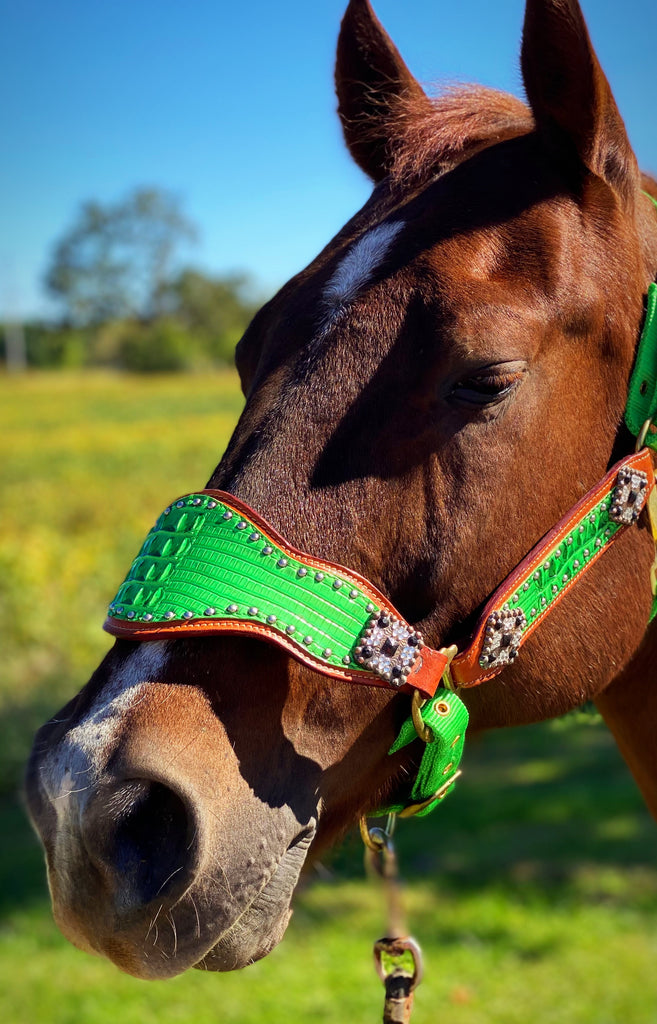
x: 231, y: 106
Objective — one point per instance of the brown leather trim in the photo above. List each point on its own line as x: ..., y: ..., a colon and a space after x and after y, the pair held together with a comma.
x: 466, y: 670
x: 425, y: 676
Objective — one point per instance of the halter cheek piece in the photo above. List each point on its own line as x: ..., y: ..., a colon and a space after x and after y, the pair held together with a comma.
x: 212, y: 565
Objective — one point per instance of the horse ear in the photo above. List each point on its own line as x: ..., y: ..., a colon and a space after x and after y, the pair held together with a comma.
x: 370, y: 78
x: 570, y: 96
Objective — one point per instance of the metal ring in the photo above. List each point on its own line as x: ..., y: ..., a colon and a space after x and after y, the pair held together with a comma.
x: 643, y: 433
x: 399, y: 947
x: 422, y: 729
x: 375, y: 838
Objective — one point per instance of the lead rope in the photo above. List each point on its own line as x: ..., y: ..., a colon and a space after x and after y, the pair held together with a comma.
x: 397, y: 956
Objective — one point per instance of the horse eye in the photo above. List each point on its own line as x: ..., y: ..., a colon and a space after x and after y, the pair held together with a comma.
x: 485, y: 388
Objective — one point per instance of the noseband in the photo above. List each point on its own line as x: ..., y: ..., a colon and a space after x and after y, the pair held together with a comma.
x: 212, y: 565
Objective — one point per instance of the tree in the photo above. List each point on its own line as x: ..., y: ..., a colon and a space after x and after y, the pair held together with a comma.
x: 115, y: 260
x: 215, y: 310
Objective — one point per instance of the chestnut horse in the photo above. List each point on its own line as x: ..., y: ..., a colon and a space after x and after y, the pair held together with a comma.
x: 423, y: 403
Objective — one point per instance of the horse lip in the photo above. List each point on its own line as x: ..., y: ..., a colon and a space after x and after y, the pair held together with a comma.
x: 222, y: 956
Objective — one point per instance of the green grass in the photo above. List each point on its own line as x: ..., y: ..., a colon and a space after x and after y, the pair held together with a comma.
x: 533, y: 890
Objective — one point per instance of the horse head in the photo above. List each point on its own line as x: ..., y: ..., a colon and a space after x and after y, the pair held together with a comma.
x: 423, y: 402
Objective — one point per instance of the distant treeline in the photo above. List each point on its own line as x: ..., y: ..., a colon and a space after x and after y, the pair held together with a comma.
x: 123, y: 302
x: 200, y: 322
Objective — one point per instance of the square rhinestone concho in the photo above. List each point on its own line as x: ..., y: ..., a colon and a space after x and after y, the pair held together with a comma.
x: 502, y: 637
x: 629, y: 496
x: 389, y: 648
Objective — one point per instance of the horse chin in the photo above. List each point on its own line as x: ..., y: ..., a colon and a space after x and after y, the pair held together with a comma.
x: 262, y: 925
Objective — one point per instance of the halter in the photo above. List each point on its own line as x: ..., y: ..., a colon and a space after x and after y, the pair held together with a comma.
x: 212, y: 565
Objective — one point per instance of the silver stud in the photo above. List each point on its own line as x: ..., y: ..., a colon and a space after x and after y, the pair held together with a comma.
x: 241, y: 525
x: 167, y: 510
x: 516, y: 598
x: 281, y: 563
x: 369, y: 608
x: 603, y: 507
x: 533, y: 611
x: 555, y: 589
x: 196, y: 501
x: 337, y: 584
x: 290, y: 630
x: 271, y: 619
x: 564, y: 578
x: 569, y: 540
x: 252, y: 610
x: 212, y: 504
x: 319, y: 576
x: 169, y: 615
x: 581, y: 529
x: 346, y: 660
x: 231, y: 609
x: 210, y: 611
x: 131, y: 615
x: 267, y: 550
x: 525, y: 586
x: 254, y: 536
x: 607, y: 533
x: 353, y: 594
x: 307, y: 640
x: 543, y: 601
x: 188, y: 615
x: 537, y: 575
x: 327, y: 652
x: 228, y: 514
x: 557, y: 553
x: 576, y: 563
x: 598, y: 542
x: 586, y: 552
x: 302, y: 571
x: 180, y: 504
x: 148, y: 616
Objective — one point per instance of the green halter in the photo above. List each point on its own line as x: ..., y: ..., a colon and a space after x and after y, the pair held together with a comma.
x: 211, y: 564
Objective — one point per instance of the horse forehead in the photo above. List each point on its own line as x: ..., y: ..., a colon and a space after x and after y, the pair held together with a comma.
x: 358, y: 265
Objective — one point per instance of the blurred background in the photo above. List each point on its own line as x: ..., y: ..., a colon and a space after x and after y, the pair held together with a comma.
x: 165, y: 167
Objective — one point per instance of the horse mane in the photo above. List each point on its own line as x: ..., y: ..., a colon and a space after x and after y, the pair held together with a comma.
x: 429, y: 138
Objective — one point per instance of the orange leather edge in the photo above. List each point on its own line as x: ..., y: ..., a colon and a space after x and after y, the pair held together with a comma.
x: 465, y: 668
x: 429, y: 665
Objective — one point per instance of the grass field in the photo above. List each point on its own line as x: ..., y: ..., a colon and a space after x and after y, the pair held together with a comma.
x: 533, y: 890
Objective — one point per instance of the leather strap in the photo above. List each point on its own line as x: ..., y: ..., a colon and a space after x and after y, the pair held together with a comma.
x: 213, y: 565
x: 552, y: 568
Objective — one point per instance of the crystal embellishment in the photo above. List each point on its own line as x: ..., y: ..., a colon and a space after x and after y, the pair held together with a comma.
x: 502, y: 637
x: 629, y: 496
x: 388, y: 647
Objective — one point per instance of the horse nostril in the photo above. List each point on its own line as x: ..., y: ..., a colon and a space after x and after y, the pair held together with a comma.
x: 150, y: 848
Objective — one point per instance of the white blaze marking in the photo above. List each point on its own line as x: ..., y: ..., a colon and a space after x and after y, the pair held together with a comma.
x: 81, y: 754
x: 359, y: 264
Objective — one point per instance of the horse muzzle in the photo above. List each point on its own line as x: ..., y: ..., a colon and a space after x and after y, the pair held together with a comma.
x: 157, y: 860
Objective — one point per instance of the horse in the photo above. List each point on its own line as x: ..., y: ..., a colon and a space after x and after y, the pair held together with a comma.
x: 423, y: 403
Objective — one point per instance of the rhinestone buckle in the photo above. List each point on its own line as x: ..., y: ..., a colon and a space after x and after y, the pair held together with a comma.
x: 502, y: 637
x: 629, y: 496
x: 389, y: 648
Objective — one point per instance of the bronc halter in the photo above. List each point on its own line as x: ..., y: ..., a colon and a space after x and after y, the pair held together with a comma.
x: 212, y: 565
